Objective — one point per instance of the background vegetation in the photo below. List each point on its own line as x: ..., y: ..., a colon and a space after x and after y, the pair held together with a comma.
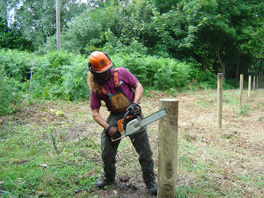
x: 167, y: 44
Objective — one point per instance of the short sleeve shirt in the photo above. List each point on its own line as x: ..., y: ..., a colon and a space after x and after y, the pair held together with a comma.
x: 126, y: 82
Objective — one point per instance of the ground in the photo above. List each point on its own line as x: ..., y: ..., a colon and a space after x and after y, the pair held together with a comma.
x: 226, y: 162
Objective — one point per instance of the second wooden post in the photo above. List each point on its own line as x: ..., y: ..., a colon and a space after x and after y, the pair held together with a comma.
x: 219, y: 100
x: 168, y: 141
x: 249, y: 86
x: 241, y: 91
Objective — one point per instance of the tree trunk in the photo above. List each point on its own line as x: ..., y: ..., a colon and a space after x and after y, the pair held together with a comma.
x: 237, y: 68
x: 219, y: 58
x: 58, y: 24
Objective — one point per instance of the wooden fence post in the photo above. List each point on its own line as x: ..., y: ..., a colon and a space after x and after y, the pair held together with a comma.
x: 249, y: 85
x: 257, y: 83
x: 168, y: 141
x: 219, y: 100
x: 241, y: 91
x: 254, y: 83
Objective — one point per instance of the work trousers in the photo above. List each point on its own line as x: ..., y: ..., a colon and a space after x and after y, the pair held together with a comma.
x: 141, y: 144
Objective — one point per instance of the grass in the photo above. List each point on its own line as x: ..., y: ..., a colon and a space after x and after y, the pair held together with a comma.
x: 35, y: 163
x: 46, y: 155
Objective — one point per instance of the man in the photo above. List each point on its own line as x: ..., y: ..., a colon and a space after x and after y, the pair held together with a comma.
x: 120, y: 90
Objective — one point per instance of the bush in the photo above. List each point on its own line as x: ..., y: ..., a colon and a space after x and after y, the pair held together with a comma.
x: 54, y: 75
x: 204, y: 79
x: 60, y: 75
x: 163, y: 73
x: 16, y: 64
x: 9, y: 94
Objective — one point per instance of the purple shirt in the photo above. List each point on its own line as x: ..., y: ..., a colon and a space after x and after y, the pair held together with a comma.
x: 126, y: 82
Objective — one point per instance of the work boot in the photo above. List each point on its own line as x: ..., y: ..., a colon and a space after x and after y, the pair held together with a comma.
x: 104, y: 182
x: 152, y: 188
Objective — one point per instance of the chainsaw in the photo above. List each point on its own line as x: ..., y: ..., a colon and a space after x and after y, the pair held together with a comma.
x: 133, y: 122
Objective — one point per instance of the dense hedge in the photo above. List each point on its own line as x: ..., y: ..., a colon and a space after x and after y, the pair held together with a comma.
x: 63, y: 75
x: 164, y: 73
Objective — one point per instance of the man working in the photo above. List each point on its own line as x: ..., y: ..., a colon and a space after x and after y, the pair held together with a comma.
x: 115, y: 88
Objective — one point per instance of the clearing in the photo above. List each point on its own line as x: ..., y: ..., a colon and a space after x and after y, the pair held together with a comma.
x: 212, y: 162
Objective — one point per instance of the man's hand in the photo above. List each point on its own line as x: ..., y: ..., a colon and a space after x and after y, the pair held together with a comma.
x: 111, y: 130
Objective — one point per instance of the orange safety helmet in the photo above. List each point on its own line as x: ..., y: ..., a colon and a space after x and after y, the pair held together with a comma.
x: 99, y: 62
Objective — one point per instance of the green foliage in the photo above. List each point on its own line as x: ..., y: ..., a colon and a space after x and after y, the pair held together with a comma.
x: 164, y: 73
x: 12, y: 38
x: 65, y: 76
x: 82, y: 33
x: 221, y: 36
x: 54, y: 75
x: 244, y: 110
x: 37, y: 19
x: 16, y: 64
x: 10, y: 94
x: 62, y: 75
x: 115, y: 46
x: 205, y: 79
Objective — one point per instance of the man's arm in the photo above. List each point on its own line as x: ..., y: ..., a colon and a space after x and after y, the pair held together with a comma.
x: 138, y: 92
x: 100, y: 120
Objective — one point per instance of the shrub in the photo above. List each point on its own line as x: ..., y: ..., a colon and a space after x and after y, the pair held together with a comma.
x: 54, y: 75
x: 162, y: 73
x: 60, y: 75
x: 9, y: 94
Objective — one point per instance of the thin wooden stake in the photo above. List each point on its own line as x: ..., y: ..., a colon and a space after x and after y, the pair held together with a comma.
x: 168, y: 141
x: 30, y: 81
x: 241, y: 91
x: 254, y: 83
x: 219, y: 100
x: 257, y: 83
x: 249, y: 86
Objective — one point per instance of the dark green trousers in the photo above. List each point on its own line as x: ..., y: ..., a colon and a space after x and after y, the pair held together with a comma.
x: 140, y: 142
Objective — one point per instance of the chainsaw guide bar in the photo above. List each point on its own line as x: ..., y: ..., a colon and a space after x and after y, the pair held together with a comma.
x: 136, y: 125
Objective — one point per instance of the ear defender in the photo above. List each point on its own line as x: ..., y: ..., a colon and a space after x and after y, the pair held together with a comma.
x: 91, y: 68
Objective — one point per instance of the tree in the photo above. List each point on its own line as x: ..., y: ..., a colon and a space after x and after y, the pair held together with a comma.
x: 12, y: 38
x: 165, y: 5
x: 37, y: 19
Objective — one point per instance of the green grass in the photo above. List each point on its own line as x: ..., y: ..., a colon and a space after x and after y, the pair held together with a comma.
x: 244, y: 110
x: 31, y: 167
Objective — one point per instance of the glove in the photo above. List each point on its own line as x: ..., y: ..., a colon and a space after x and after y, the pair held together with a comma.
x: 133, y: 107
x: 112, y: 130
x: 116, y: 135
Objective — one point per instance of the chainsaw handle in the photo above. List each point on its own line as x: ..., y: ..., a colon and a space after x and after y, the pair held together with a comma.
x: 133, y: 109
x: 132, y: 112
